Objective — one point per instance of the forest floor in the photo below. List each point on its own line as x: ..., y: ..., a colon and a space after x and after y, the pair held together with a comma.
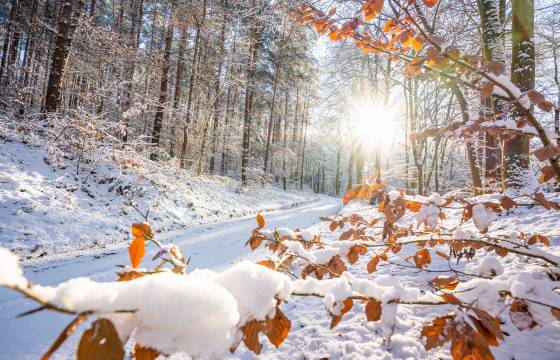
x: 49, y: 211
x: 355, y: 338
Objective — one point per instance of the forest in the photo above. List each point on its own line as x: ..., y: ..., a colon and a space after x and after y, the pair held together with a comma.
x: 280, y: 179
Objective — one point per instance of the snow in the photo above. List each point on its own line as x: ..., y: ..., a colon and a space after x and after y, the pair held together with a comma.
x: 394, y: 195
x: 173, y: 313
x: 49, y: 212
x: 11, y: 273
x: 428, y: 215
x: 490, y: 266
x: 482, y: 216
x: 255, y: 288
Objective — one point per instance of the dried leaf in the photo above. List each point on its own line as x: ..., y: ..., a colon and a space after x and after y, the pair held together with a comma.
x: 130, y: 275
x: 450, y: 299
x: 255, y: 241
x: 486, y: 90
x: 538, y: 239
x: 372, y: 264
x: 520, y: 315
x: 268, y: 263
x: 141, y: 231
x: 430, y: 3
x: 507, y: 203
x: 373, y: 310
x: 346, y: 306
x: 136, y: 251
x: 545, y: 153
x: 100, y: 341
x: 277, y: 328
x: 346, y: 235
x: 422, y: 258
x: 251, y: 335
x: 145, y: 353
x: 442, y: 255
x: 260, y: 221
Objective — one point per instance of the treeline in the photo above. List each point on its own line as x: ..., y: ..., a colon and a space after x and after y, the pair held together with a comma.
x: 215, y: 86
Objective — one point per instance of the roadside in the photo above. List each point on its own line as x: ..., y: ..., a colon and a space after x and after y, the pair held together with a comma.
x: 49, y: 211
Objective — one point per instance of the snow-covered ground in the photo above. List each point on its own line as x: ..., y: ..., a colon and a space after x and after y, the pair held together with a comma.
x: 355, y: 338
x: 50, y: 211
x: 214, y: 246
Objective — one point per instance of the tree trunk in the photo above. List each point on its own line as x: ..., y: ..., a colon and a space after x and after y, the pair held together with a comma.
x: 218, y: 90
x: 158, y: 121
x: 271, y: 118
x: 66, y: 27
x: 249, y: 91
x: 192, y: 81
x: 515, y: 160
x: 304, y: 121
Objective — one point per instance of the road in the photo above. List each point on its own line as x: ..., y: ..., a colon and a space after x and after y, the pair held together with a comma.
x: 214, y: 246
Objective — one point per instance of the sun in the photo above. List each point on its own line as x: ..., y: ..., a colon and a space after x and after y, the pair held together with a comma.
x: 375, y: 122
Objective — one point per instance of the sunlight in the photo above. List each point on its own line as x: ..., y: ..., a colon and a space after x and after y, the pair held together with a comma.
x: 375, y: 122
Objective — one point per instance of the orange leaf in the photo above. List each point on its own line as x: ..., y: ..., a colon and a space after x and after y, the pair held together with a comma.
x: 372, y: 264
x: 277, y: 328
x: 251, y: 335
x: 141, y: 230
x: 347, y: 306
x: 430, y: 3
x: 136, y: 251
x: 422, y: 258
x: 450, y: 299
x: 260, y: 221
x: 268, y: 263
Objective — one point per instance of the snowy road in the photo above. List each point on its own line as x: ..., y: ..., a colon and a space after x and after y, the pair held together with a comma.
x: 211, y: 246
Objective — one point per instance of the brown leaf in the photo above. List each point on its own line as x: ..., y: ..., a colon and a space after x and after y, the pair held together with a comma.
x: 336, y: 265
x: 346, y: 306
x: 100, y: 341
x: 486, y: 90
x: 130, y: 275
x: 547, y: 173
x: 436, y: 333
x: 445, y: 282
x: 413, y: 206
x: 507, y: 203
x: 450, y: 299
x: 538, y: 238
x: 255, y: 241
x: 260, y: 221
x: 141, y: 231
x: 346, y: 235
x: 422, y: 258
x: 145, y: 353
x: 555, y: 313
x: 442, y: 255
x: 545, y: 153
x: 546, y: 106
x: 373, y: 310
x: 430, y: 3
x: 520, y: 315
x: 277, y: 328
x: 372, y: 264
x: 489, y: 322
x: 251, y: 335
x: 268, y: 263
x: 535, y: 97
x: 495, y: 67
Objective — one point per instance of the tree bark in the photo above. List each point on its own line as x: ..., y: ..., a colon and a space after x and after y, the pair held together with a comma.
x: 158, y: 121
x: 514, y: 158
x: 66, y: 28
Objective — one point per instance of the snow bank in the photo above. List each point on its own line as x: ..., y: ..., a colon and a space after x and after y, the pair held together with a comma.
x: 10, y: 271
x: 46, y: 210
